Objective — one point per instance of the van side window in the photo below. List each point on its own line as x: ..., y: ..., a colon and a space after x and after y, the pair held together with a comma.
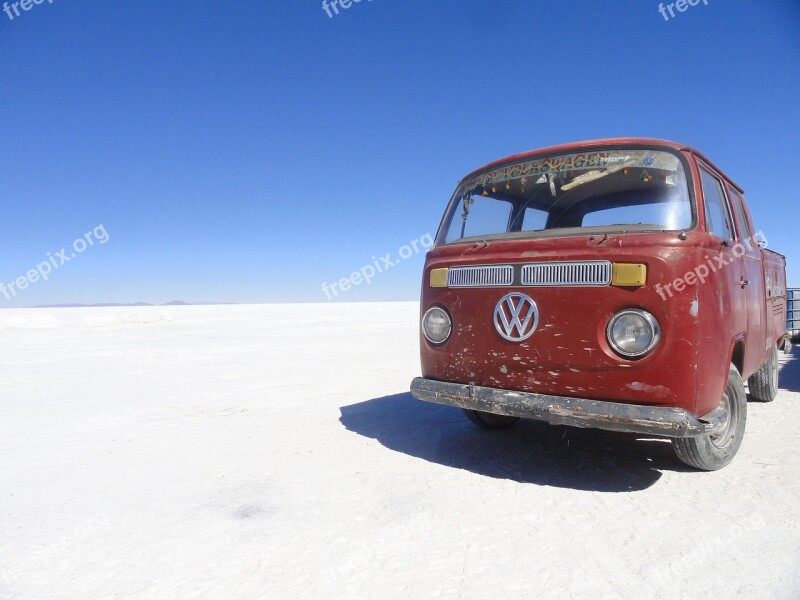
x: 745, y: 233
x: 717, y: 216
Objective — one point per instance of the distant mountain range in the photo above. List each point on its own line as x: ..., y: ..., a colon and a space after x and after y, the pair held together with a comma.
x: 112, y: 304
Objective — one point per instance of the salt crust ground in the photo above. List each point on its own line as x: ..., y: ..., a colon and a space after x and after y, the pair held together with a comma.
x: 273, y: 452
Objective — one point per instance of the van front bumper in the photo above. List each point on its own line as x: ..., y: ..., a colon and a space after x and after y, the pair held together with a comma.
x: 576, y: 412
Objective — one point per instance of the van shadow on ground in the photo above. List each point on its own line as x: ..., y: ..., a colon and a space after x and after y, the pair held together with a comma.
x: 530, y: 452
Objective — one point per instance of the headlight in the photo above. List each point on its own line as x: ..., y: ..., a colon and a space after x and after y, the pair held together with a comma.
x: 436, y: 325
x: 633, y: 332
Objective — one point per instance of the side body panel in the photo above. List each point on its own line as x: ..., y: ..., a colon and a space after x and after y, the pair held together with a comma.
x: 776, y: 297
x: 723, y: 297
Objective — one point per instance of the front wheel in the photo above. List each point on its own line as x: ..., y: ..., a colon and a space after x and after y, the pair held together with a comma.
x: 764, y: 382
x: 712, y: 452
x: 486, y: 420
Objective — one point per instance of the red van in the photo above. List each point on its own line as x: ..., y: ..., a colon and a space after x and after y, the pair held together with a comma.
x: 617, y: 284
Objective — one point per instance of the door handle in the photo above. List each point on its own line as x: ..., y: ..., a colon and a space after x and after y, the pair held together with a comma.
x: 744, y: 282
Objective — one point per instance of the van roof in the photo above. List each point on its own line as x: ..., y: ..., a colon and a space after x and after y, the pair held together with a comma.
x: 605, y: 142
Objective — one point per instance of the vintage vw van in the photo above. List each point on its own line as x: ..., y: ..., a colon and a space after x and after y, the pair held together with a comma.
x: 617, y: 284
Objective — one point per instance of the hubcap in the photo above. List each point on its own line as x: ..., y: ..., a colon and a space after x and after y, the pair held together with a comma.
x: 725, y: 437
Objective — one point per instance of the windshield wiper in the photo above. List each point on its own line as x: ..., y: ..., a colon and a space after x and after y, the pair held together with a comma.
x: 467, y: 201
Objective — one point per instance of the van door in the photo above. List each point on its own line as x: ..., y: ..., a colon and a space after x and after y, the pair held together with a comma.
x: 732, y: 299
x: 756, y: 292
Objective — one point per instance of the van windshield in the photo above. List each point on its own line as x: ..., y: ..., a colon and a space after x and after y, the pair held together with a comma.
x: 603, y: 190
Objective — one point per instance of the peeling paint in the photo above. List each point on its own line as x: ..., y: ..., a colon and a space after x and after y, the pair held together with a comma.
x: 656, y: 390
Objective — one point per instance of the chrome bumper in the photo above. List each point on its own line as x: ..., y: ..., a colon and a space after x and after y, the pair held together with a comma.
x: 576, y: 412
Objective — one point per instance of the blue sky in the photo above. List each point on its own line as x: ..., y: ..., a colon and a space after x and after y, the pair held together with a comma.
x: 249, y: 151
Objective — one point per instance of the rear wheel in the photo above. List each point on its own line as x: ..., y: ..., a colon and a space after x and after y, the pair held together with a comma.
x: 712, y: 452
x: 486, y: 420
x: 764, y: 382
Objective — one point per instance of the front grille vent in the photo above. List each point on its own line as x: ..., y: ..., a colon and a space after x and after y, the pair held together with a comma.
x: 482, y: 276
x: 584, y: 273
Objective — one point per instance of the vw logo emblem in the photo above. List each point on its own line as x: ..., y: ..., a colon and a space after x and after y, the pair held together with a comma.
x: 516, y: 317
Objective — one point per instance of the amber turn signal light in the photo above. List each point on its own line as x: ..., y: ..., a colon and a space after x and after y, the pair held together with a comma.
x: 628, y: 275
x: 438, y: 278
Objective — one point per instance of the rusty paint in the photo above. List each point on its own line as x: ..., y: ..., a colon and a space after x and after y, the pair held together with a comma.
x: 571, y: 337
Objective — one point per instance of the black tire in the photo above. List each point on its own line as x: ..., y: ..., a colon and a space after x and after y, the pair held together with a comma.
x: 707, y: 452
x: 764, y: 382
x: 486, y: 420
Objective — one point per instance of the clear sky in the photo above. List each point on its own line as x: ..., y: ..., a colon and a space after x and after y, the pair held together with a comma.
x: 249, y: 151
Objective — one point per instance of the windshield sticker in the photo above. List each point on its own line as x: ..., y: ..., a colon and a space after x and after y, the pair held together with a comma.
x: 610, y: 159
